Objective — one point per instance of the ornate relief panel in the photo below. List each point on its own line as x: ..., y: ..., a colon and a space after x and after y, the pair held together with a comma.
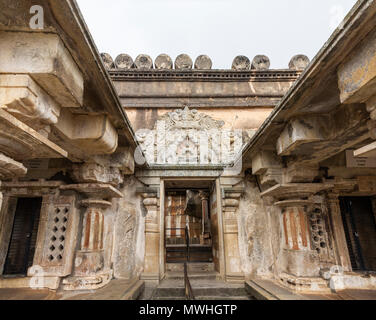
x: 188, y: 137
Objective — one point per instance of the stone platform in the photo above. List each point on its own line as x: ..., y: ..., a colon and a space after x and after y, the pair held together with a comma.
x: 270, y: 290
x: 115, y: 290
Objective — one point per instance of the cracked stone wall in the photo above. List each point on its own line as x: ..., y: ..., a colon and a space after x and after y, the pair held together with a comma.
x: 129, y: 236
x: 254, y: 233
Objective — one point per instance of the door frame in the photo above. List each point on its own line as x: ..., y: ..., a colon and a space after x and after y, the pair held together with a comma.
x: 162, y: 252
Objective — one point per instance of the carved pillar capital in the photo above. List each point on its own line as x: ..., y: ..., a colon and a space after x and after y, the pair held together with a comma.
x: 151, y: 204
x: 96, y: 173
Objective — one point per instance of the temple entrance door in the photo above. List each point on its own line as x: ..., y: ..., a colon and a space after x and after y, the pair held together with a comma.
x: 359, y: 222
x: 184, y: 213
x: 24, y: 235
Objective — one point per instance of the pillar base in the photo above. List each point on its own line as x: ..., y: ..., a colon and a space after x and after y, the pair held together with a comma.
x: 88, y: 282
x: 88, y: 263
x: 305, y: 284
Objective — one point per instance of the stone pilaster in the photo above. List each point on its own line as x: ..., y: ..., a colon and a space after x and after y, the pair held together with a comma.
x: 152, y: 236
x: 230, y: 205
x: 205, y: 234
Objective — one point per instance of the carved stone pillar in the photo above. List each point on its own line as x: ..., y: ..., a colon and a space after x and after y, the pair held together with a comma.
x: 92, y: 271
x: 304, y: 236
x: 152, y: 236
x: 230, y: 204
x: 93, y: 225
x: 205, y: 234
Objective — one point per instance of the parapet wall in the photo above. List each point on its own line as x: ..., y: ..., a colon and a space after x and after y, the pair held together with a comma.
x: 202, y: 62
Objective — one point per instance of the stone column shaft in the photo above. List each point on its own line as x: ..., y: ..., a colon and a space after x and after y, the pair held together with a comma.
x: 92, y: 239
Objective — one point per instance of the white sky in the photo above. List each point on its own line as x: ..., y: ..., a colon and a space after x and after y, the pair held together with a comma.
x: 222, y: 29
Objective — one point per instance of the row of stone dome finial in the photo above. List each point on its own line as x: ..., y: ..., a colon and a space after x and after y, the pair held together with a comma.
x: 203, y: 62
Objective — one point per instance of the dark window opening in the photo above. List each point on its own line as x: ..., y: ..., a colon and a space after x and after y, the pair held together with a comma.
x: 24, y: 237
x: 360, y: 230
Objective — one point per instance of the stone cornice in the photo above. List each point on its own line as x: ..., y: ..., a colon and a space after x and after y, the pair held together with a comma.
x: 204, y: 75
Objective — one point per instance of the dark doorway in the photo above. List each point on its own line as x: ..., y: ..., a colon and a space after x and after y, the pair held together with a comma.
x: 24, y: 236
x: 360, y: 229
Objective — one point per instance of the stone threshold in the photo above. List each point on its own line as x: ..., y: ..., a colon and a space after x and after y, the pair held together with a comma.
x: 270, y: 290
x: 30, y: 283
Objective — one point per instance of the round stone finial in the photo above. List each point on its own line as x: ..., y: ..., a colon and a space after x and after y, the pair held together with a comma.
x: 183, y: 61
x: 143, y: 61
x: 124, y: 61
x: 163, y: 62
x: 107, y: 61
x: 299, y: 62
x: 241, y: 63
x: 203, y: 62
x: 260, y: 62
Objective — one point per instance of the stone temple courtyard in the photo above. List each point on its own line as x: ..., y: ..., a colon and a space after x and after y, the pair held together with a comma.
x: 132, y: 178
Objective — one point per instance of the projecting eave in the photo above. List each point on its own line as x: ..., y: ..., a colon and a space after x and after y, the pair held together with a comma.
x: 64, y: 19
x: 78, y: 39
x: 317, y: 91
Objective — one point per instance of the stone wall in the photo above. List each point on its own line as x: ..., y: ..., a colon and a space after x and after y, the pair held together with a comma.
x: 254, y: 233
x: 129, y: 232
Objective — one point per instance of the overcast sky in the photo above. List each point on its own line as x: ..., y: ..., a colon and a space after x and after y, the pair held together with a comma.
x: 221, y: 29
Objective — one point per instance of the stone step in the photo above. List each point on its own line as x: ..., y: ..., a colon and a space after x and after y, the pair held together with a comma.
x: 205, y: 298
x: 192, y: 267
x: 211, y: 298
x: 213, y: 291
x: 270, y: 290
x: 192, y: 275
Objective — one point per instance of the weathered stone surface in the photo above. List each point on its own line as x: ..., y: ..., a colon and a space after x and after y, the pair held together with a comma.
x: 20, y: 142
x: 163, y: 62
x: 10, y: 168
x: 203, y: 62
x: 301, y: 131
x: 299, y: 62
x: 95, y: 134
x: 254, y: 233
x: 129, y: 232
x: 144, y: 62
x: 46, y: 59
x: 260, y: 62
x: 107, y: 61
x: 357, y: 73
x: 95, y: 173
x: 183, y: 62
x: 21, y: 96
x: 241, y: 63
x: 124, y: 62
